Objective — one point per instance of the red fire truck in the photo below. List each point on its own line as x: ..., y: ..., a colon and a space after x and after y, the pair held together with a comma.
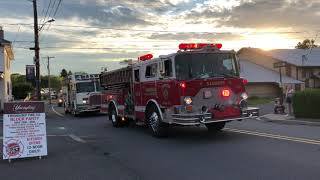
x: 199, y: 84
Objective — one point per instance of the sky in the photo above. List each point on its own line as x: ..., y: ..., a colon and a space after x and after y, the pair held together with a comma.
x: 89, y: 35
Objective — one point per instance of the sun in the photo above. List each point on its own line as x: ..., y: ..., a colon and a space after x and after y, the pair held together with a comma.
x: 269, y: 41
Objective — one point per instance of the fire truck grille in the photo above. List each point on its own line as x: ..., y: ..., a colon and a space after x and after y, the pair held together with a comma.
x: 191, y: 118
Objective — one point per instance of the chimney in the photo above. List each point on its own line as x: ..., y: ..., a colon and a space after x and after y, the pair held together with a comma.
x: 1, y: 33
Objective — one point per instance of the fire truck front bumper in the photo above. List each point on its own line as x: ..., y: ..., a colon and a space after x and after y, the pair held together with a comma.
x: 86, y: 108
x: 206, y: 118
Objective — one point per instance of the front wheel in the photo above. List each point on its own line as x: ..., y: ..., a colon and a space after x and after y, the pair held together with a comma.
x: 114, y: 117
x: 215, y: 127
x: 75, y: 113
x: 155, y: 123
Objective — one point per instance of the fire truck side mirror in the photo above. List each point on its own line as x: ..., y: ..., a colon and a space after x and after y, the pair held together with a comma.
x: 161, y: 68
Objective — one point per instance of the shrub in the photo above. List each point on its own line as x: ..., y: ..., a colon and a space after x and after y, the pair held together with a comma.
x: 306, y: 104
x: 21, y: 90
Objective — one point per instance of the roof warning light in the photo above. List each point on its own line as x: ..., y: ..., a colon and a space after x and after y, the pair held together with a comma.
x: 186, y: 46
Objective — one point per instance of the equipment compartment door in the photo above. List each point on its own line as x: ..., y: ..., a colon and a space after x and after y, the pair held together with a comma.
x: 137, y: 92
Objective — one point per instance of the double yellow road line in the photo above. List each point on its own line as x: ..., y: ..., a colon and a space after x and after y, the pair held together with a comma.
x: 274, y: 136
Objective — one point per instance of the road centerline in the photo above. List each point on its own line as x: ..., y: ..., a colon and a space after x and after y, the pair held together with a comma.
x: 59, y: 114
x: 77, y: 138
x: 275, y: 136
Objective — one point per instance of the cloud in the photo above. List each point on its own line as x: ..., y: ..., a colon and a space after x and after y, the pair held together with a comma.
x: 104, y: 26
x: 298, y: 14
x: 200, y: 37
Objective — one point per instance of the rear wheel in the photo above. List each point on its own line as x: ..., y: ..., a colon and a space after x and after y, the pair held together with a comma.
x: 114, y: 117
x: 215, y: 127
x: 155, y: 123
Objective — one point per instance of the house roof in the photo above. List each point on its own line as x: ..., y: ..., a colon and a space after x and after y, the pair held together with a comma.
x: 258, y: 74
x: 295, y: 56
x: 291, y: 56
x: 5, y: 41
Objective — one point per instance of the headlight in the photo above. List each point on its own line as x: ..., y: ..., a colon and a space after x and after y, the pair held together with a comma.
x: 244, y: 96
x: 60, y: 100
x: 84, y: 101
x: 187, y: 100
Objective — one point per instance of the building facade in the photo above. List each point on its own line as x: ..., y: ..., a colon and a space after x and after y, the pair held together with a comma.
x: 6, y: 57
x: 302, y: 65
x: 264, y: 82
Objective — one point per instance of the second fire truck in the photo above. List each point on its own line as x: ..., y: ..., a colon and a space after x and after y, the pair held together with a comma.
x: 199, y: 84
x: 77, y: 90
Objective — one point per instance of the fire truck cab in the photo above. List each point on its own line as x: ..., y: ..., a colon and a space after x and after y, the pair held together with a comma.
x: 199, y: 84
x: 79, y: 87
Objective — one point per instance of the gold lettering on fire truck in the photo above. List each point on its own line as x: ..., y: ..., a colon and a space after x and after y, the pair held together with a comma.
x: 215, y: 83
x: 150, y: 92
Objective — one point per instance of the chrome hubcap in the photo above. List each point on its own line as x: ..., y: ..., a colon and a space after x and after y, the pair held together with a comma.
x: 154, y: 121
x: 113, y: 117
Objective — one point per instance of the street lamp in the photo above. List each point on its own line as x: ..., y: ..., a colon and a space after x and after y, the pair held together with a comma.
x: 49, y: 21
x: 36, y: 47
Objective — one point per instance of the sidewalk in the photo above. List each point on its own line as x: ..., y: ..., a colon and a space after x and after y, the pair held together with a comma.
x: 285, y: 119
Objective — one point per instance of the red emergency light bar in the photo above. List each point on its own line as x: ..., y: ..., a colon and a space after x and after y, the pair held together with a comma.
x: 185, y: 46
x: 145, y: 57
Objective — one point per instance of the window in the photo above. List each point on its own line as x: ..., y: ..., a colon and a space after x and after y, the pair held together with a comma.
x: 136, y: 75
x: 151, y: 71
x: 168, y: 68
x: 99, y: 88
x: 85, y: 87
x: 205, y: 65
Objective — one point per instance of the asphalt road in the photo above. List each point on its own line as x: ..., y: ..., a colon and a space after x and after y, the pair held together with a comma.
x: 90, y: 148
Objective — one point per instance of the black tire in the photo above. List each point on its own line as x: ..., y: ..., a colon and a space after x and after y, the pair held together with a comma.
x: 215, y: 127
x: 113, y: 117
x: 75, y: 113
x: 155, y: 123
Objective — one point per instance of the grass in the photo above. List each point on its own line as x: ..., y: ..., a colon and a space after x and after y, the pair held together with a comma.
x: 254, y: 100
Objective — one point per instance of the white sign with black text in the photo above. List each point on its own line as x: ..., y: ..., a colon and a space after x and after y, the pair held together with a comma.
x: 24, y: 130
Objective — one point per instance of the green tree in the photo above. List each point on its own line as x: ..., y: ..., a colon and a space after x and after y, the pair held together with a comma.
x: 63, y: 73
x: 306, y: 44
x: 70, y: 73
x: 18, y: 78
x: 56, y: 82
x: 21, y: 90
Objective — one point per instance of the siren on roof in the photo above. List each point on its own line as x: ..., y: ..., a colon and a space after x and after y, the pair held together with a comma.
x: 145, y: 57
x: 188, y: 46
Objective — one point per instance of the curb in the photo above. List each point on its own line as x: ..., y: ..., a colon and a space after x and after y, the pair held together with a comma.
x: 291, y: 122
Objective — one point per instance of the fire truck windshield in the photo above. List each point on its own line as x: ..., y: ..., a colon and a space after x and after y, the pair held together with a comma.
x: 85, y: 87
x: 205, y: 65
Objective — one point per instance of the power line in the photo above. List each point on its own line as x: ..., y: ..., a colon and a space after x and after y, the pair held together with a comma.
x: 55, y: 12
x: 44, y: 19
x: 43, y: 9
x: 103, y: 48
x: 50, y: 13
x: 165, y: 31
x: 57, y: 8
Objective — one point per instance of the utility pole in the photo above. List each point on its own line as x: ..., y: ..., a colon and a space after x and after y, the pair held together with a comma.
x: 36, y: 49
x: 49, y: 80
